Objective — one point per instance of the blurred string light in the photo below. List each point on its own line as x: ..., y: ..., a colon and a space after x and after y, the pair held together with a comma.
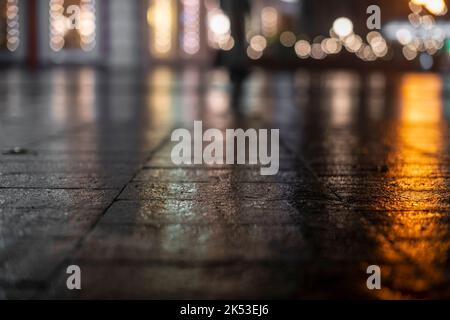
x: 12, y: 35
x: 418, y: 39
x: 257, y: 45
x: 409, y: 53
x: 87, y: 25
x: 423, y: 36
x: 353, y: 42
x: 331, y: 46
x: 191, y: 26
x: 426, y: 61
x: 219, y: 23
x: 377, y: 44
x: 343, y: 27
x: 254, y: 54
x: 160, y: 17
x: 342, y: 36
x: 269, y: 29
x: 219, y: 28
x: 317, y: 52
x: 288, y: 38
x: 302, y: 49
x: 404, y: 36
x: 60, y: 25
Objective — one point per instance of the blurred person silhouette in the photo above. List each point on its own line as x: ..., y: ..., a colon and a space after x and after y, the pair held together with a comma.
x: 236, y: 60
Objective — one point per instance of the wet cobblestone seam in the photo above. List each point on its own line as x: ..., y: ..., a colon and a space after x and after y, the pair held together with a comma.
x: 67, y: 261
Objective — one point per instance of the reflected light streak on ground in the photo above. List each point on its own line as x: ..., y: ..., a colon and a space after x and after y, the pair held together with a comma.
x: 58, y: 103
x: 159, y: 99
x: 343, y: 99
x: 160, y: 18
x: 86, y: 95
x: 413, y: 233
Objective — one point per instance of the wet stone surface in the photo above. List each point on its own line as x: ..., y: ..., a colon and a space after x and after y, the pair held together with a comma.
x: 87, y: 179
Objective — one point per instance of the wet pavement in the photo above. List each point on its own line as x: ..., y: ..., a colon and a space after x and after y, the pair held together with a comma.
x: 364, y: 179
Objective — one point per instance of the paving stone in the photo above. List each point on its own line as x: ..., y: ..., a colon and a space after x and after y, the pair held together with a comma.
x: 167, y: 211
x: 59, y: 222
x: 29, y: 262
x: 165, y: 162
x: 179, y: 242
x: 56, y: 198
x: 218, y: 191
x: 63, y: 180
x: 68, y: 167
x: 14, y: 293
x: 354, y: 189
x: 74, y: 156
x: 241, y: 281
x: 212, y: 175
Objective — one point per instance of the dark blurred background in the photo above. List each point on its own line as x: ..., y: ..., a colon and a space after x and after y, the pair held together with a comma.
x: 271, y: 33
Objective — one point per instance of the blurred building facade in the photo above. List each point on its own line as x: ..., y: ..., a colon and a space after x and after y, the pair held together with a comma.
x: 111, y: 32
x: 145, y: 32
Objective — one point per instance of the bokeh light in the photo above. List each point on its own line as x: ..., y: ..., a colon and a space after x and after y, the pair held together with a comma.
x: 343, y: 27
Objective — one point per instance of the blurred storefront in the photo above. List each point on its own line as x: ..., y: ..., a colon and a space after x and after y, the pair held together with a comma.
x: 277, y: 32
x: 114, y: 32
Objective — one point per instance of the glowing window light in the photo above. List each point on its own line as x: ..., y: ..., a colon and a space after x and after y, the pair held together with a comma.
x: 12, y: 34
x: 191, y: 26
x: 343, y: 27
x: 269, y: 21
x: 160, y: 17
